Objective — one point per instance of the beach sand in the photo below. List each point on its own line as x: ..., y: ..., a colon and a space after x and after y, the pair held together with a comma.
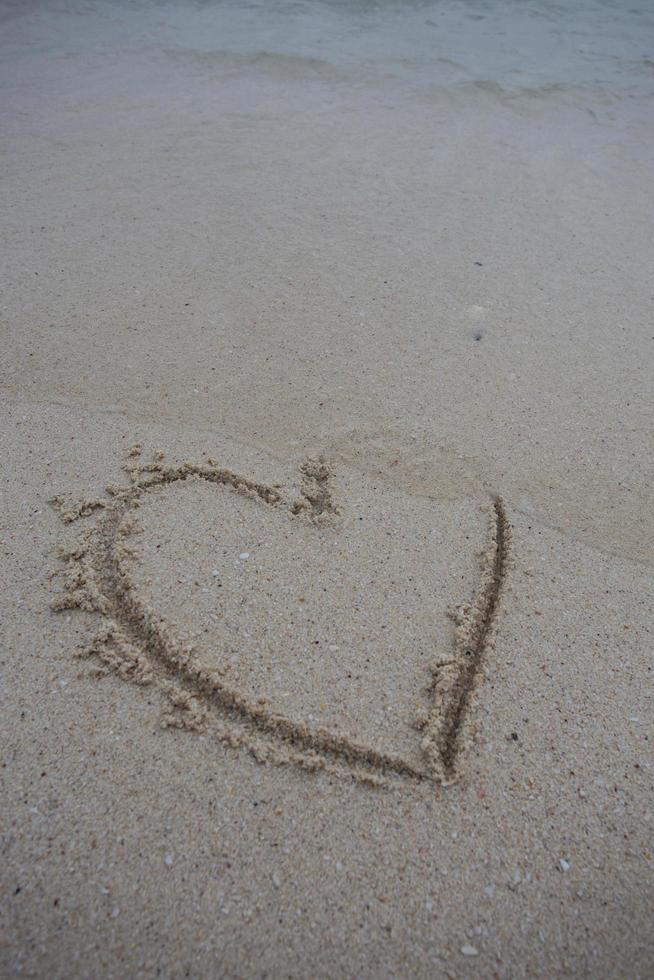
x: 327, y: 399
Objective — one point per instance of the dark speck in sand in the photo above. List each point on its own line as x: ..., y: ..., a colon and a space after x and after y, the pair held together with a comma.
x: 478, y: 336
x: 479, y: 263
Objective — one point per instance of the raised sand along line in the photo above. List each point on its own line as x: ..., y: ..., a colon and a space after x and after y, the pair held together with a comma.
x: 139, y: 645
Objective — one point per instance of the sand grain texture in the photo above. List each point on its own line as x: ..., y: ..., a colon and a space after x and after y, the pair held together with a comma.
x: 326, y: 389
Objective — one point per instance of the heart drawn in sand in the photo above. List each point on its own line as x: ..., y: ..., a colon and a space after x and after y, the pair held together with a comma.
x: 308, y: 628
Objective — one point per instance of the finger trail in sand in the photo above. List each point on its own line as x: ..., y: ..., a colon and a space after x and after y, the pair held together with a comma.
x: 139, y: 645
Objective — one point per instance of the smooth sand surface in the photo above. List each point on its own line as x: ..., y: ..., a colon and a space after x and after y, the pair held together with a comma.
x: 349, y: 671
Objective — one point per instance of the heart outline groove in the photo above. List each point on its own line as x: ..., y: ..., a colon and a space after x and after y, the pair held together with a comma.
x: 139, y: 645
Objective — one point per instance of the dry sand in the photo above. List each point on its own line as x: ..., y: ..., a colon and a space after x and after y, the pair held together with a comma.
x: 348, y: 673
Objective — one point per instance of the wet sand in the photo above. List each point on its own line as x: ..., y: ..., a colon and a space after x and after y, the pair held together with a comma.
x: 327, y: 498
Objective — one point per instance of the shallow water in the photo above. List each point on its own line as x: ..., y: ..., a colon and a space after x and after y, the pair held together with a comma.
x: 515, y: 44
